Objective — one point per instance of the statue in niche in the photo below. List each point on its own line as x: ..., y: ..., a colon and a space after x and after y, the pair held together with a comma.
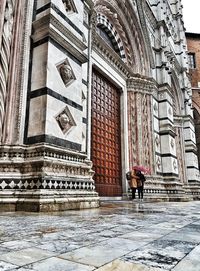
x: 66, y: 72
x: 64, y: 121
x: 67, y: 4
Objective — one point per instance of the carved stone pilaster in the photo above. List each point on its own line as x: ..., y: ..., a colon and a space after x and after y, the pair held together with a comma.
x: 140, y: 125
x: 5, y: 52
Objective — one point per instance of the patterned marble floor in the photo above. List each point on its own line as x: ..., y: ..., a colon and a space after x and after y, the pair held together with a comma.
x: 119, y: 236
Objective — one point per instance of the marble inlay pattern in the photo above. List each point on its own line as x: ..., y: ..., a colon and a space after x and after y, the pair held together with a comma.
x: 119, y: 236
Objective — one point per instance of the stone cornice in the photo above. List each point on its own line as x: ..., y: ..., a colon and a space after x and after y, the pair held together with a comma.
x: 101, y: 47
x: 44, y: 151
x: 50, y: 26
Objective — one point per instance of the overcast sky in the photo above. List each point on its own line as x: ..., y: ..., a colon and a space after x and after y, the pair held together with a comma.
x: 191, y: 15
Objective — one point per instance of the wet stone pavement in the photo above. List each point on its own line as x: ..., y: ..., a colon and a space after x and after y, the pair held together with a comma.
x: 120, y: 236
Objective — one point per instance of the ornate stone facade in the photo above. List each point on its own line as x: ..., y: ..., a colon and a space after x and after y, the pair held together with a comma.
x: 49, y: 52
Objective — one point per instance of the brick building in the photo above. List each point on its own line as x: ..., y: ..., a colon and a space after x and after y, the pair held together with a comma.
x: 193, y: 45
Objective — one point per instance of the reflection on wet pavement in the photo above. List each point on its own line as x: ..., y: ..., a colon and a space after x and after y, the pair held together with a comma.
x: 120, y: 235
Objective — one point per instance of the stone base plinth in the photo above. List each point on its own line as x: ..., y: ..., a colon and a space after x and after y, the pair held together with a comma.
x: 160, y: 189
x: 47, y: 200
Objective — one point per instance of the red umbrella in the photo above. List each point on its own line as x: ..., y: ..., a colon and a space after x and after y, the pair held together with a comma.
x: 142, y: 168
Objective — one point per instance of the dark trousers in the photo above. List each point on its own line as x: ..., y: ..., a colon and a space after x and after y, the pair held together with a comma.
x: 133, y: 192
x: 140, y: 192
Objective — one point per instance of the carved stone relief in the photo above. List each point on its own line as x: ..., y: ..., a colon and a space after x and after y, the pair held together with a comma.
x: 158, y: 163
x: 65, y: 120
x: 175, y: 165
x: 66, y: 72
x: 155, y: 107
x: 69, y: 6
x: 157, y: 140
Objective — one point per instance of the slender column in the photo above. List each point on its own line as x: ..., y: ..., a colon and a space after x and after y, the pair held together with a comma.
x: 5, y: 51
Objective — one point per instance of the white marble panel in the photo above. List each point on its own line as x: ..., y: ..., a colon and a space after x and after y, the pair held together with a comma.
x: 189, y: 134
x: 191, y: 159
x: 191, y: 262
x: 58, y: 264
x: 41, y: 3
x: 37, y: 116
x: 157, y: 142
x: 55, y: 107
x: 155, y: 108
x: 193, y: 174
x: 158, y: 162
x: 38, y: 79
x: 165, y: 111
x: 164, y: 95
x: 104, y: 252
x: 121, y: 265
x: 72, y: 91
x: 156, y: 124
x: 168, y: 144
x: 25, y: 256
x: 170, y: 165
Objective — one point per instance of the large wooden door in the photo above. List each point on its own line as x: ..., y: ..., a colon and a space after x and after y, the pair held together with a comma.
x: 106, y: 136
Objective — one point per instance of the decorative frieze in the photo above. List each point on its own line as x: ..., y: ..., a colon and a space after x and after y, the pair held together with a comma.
x: 140, y: 84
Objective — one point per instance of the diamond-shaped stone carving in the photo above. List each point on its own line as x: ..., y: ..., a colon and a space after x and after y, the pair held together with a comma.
x: 66, y: 72
x: 65, y: 120
x: 69, y: 6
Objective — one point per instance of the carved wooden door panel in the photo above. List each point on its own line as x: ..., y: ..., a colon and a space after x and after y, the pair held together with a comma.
x: 106, y: 136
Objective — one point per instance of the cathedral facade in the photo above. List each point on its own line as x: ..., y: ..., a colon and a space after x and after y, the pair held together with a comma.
x: 88, y: 90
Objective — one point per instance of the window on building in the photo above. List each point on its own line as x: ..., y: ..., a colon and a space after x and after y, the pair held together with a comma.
x: 191, y: 60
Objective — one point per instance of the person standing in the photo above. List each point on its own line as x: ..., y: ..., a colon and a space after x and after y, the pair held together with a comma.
x: 140, y: 184
x: 133, y: 182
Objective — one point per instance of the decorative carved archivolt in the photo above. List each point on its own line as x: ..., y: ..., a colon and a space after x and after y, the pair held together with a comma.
x: 66, y: 72
x: 128, y: 27
x: 65, y: 120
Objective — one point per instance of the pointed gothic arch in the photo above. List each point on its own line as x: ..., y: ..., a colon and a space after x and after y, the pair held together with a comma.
x: 177, y: 96
x: 129, y: 32
x: 104, y: 23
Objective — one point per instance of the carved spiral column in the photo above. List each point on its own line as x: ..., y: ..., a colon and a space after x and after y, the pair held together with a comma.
x: 5, y: 49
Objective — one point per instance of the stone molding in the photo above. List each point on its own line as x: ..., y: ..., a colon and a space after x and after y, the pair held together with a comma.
x: 139, y: 84
x: 44, y: 167
x: 50, y: 26
x: 111, y: 57
x: 141, y: 5
x: 128, y: 26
